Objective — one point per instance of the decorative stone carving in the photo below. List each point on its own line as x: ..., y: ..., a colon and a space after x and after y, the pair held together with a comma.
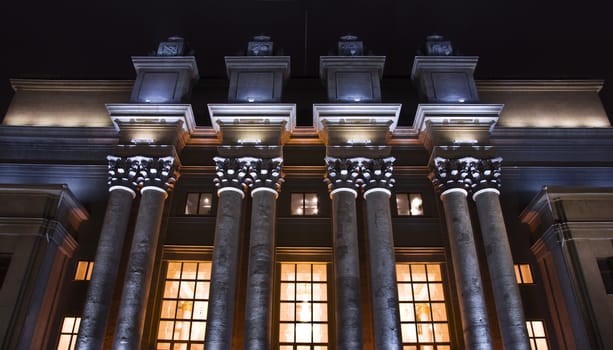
x: 343, y: 173
x: 349, y: 45
x: 436, y: 45
x: 261, y: 45
x: 452, y: 173
x: 265, y: 172
x: 159, y: 172
x: 122, y: 172
x: 174, y: 46
x: 485, y: 173
x: 377, y: 173
x: 231, y: 172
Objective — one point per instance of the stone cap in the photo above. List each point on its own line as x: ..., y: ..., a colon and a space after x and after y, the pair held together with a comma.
x: 152, y: 113
x: 353, y: 63
x: 166, y: 63
x: 443, y: 63
x: 259, y: 63
x: 359, y: 113
x: 253, y: 113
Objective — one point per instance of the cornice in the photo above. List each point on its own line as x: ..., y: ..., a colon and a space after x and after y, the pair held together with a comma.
x: 351, y: 63
x: 166, y: 62
x: 253, y: 113
x: 71, y: 85
x: 572, y: 85
x: 358, y: 113
x: 259, y: 63
x: 152, y: 113
x: 443, y: 63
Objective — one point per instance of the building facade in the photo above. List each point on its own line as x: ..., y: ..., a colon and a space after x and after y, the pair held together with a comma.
x: 347, y: 211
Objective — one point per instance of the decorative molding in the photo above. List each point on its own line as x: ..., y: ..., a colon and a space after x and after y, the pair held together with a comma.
x: 450, y: 174
x: 258, y: 63
x: 485, y: 174
x: 158, y: 172
x: 443, y: 63
x: 71, y: 85
x: 356, y: 114
x: 152, y: 113
x: 350, y: 63
x: 167, y: 63
x: 377, y: 173
x: 122, y: 172
x: 265, y: 173
x: 456, y: 114
x: 343, y: 173
x: 253, y: 114
x: 231, y: 172
x: 571, y: 85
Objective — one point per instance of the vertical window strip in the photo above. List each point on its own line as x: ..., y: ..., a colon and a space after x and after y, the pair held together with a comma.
x: 84, y: 270
x: 199, y: 203
x: 68, y: 333
x: 537, y: 336
x: 184, y: 305
x: 304, y: 204
x: 523, y: 274
x: 409, y: 204
x: 423, y: 312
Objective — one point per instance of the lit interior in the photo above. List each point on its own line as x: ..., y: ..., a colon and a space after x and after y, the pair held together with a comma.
x: 199, y: 204
x: 423, y: 313
x: 184, y: 306
x: 536, y: 333
x: 84, y: 270
x: 304, y: 204
x: 523, y: 274
x: 68, y: 333
x: 303, y: 306
x: 409, y: 204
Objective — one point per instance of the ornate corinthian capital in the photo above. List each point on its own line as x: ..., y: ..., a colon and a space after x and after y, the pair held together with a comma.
x: 377, y: 173
x: 122, y: 172
x: 265, y: 172
x: 485, y: 173
x: 231, y: 172
x: 452, y: 173
x: 343, y: 173
x: 158, y: 172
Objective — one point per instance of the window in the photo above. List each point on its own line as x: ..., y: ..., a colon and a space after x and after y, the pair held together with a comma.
x: 184, y: 306
x: 5, y: 261
x: 523, y: 274
x: 84, y: 270
x: 536, y: 334
x: 409, y: 204
x: 68, y: 333
x: 303, y: 306
x: 423, y: 313
x: 606, y: 271
x: 199, y: 204
x: 304, y: 204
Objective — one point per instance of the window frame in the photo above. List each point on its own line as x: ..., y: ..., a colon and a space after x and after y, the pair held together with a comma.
x: 303, y: 255
x: 89, y: 269
x: 198, y: 213
x: 519, y: 273
x: 72, y: 335
x: 5, y: 265
x: 530, y: 329
x: 408, y: 195
x: 436, y: 256
x: 304, y: 207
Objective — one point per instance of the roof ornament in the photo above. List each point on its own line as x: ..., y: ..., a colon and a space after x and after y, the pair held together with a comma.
x: 173, y: 46
x: 261, y: 45
x: 349, y: 45
x: 437, y: 45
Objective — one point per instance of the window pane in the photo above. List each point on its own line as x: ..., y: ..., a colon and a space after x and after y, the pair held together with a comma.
x: 191, y: 204
x: 418, y: 272
x: 286, y: 332
x: 517, y: 274
x: 287, y: 291
x: 169, y: 308
x: 297, y: 203
x: 416, y: 204
x: 319, y: 272
x: 403, y: 273
x: 303, y: 272
x: 320, y: 292
x: 310, y: 204
x: 81, y: 272
x: 402, y: 204
x: 68, y: 333
x: 526, y: 273
x: 320, y: 333
x: 434, y: 273
x: 288, y: 272
x: 404, y: 292
x: 286, y: 312
x: 320, y: 312
x: 205, y: 207
x: 303, y: 333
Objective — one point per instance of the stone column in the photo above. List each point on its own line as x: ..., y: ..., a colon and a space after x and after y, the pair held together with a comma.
x: 342, y: 178
x: 377, y: 177
x: 230, y: 180
x: 122, y: 182
x: 485, y: 176
x: 265, y: 176
x: 156, y: 176
x: 450, y: 179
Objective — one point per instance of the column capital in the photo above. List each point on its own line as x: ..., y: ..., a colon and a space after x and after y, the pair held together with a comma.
x: 160, y: 172
x: 265, y: 173
x: 343, y: 173
x: 452, y: 174
x: 485, y: 175
x: 231, y: 174
x: 122, y: 173
x: 377, y: 173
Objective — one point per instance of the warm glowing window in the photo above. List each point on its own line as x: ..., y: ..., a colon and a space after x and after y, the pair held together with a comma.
x: 409, y: 204
x: 68, y: 333
x: 185, y: 303
x: 523, y: 274
x: 303, y: 306
x: 536, y: 333
x: 423, y: 313
x: 304, y: 204
x: 199, y: 204
x: 84, y: 270
x: 605, y: 266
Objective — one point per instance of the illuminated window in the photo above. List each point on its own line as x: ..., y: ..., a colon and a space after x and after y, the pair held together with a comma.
x: 606, y: 271
x: 409, y: 204
x: 184, y: 307
x: 84, y: 270
x: 199, y: 204
x: 5, y: 261
x: 423, y: 313
x: 536, y: 334
x: 68, y: 333
x: 303, y: 306
x: 304, y: 204
x: 523, y: 274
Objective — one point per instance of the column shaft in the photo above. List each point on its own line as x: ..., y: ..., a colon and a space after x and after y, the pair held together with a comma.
x: 473, y: 308
x: 220, y: 314
x: 137, y: 282
x: 346, y: 271
x: 384, y: 289
x: 507, y: 298
x: 106, y: 265
x: 258, y: 309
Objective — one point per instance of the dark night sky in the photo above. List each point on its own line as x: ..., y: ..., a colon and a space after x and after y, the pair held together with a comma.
x: 514, y: 39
